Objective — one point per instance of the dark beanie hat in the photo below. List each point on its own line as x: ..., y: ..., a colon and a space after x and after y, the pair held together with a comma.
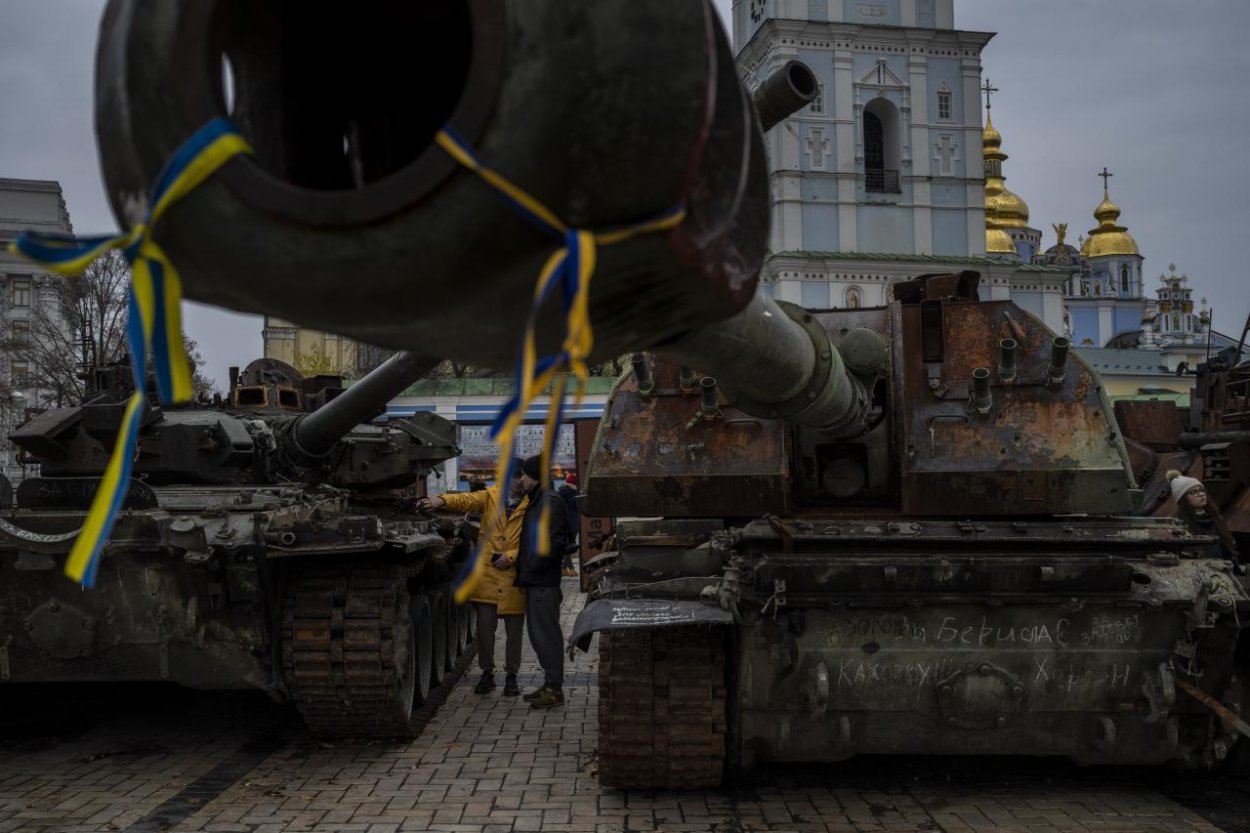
x: 533, y: 466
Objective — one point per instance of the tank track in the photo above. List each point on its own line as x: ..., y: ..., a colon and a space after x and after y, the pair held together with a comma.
x: 346, y: 644
x: 662, y: 708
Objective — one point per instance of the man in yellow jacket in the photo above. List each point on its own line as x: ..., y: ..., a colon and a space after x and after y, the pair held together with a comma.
x: 496, y: 596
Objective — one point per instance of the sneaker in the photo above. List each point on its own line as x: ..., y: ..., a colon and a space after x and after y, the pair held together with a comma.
x: 533, y: 694
x: 547, y: 698
x: 510, y: 688
x: 487, y: 683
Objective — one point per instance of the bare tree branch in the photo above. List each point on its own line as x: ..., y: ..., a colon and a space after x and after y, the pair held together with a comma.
x: 83, y: 327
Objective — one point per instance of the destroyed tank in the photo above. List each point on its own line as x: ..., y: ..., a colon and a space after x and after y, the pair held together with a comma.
x: 262, y: 544
x: 919, y: 541
x: 1210, y: 440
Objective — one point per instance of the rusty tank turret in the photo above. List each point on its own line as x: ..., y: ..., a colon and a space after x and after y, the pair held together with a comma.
x: 267, y: 542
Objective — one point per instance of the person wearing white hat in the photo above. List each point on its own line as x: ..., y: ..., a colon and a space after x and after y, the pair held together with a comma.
x: 1195, y: 508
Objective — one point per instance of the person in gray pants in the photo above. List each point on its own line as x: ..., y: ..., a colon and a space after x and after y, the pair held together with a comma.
x: 539, y: 577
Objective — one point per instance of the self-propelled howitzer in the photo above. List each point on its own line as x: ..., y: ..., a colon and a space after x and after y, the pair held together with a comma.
x: 901, y: 529
x: 250, y: 530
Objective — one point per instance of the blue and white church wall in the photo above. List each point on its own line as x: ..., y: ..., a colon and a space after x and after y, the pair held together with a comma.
x: 924, y: 196
x: 748, y: 15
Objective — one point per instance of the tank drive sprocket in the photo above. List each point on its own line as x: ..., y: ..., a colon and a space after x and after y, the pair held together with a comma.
x: 662, y: 696
x: 355, y: 653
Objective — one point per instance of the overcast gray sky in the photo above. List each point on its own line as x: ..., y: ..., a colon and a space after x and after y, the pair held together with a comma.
x: 1153, y: 89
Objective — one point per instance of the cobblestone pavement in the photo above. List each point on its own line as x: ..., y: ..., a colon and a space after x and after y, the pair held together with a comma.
x: 145, y: 758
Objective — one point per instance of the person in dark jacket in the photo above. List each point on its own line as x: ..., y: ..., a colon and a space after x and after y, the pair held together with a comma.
x: 1195, y: 508
x: 568, y: 496
x: 539, y: 576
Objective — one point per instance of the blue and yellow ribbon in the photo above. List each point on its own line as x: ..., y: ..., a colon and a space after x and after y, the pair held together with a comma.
x: 155, y: 318
x: 570, y: 267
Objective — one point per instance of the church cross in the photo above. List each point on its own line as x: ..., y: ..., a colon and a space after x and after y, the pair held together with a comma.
x: 817, y: 148
x: 987, y: 89
x: 946, y: 153
x: 1105, y: 176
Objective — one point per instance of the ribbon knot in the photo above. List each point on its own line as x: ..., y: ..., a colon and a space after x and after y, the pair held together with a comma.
x: 154, y: 322
x: 570, y: 268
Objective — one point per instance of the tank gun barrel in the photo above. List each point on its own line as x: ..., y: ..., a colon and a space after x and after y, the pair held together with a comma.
x: 316, y: 433
x: 395, y: 196
x: 1198, y: 440
x: 777, y: 364
x: 787, y: 89
x: 770, y: 357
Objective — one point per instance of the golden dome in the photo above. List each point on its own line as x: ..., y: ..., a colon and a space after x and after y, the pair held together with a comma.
x: 1003, y: 209
x: 1107, y: 211
x: 1013, y: 212
x: 1109, y: 238
x: 998, y: 242
x: 991, y: 139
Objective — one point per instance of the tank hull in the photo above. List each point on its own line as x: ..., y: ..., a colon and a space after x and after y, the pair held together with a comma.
x: 151, y: 617
x: 293, y: 591
x: 848, y: 636
x: 966, y: 679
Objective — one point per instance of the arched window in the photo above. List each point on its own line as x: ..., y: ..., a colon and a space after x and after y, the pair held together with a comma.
x: 874, y: 142
x: 945, y: 110
x: 852, y: 297
x: 1124, y: 280
x: 817, y: 107
x: 881, y: 146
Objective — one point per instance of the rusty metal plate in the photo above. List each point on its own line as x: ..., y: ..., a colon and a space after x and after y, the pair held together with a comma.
x: 654, y: 455
x: 1155, y: 425
x: 1040, y: 449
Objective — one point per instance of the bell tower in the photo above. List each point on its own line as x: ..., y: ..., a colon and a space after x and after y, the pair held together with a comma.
x: 888, y: 159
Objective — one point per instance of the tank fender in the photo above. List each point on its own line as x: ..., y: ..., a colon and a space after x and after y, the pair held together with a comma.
x: 639, y: 614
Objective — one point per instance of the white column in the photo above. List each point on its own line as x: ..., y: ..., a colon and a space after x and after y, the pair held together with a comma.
x: 918, y: 97
x: 787, y: 195
x: 847, y: 145
x: 974, y: 164
x: 1052, y: 310
x: 921, y: 118
x: 1106, y: 324
x: 907, y: 13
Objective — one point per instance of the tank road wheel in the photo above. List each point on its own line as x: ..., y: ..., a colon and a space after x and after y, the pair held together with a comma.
x: 350, y: 654
x: 423, y: 642
x: 451, y: 617
x: 662, y: 708
x: 438, y: 635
